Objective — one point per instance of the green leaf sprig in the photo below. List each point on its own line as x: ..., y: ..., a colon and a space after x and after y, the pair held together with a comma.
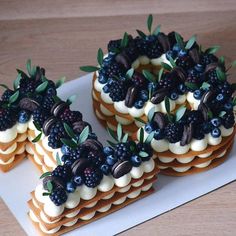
x: 38, y: 137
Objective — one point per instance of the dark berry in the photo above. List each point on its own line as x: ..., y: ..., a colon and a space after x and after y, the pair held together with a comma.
x: 70, y: 116
x: 185, y: 62
x: 111, y: 160
x: 105, y: 169
x: 149, y: 127
x: 6, y: 95
x: 108, y: 151
x: 216, y: 133
x: 194, y: 117
x: 182, y: 88
x: 23, y: 116
x: 77, y: 153
x: 174, y: 96
x: 78, y: 180
x: 194, y: 77
x: 216, y: 122
x: 228, y: 120
x: 173, y: 132
x: 207, y: 59
x: 139, y: 80
x: 58, y: 196
x: 70, y: 187
x: 97, y: 158
x: 48, y: 102
x: 145, y: 147
x: 40, y: 116
x: 122, y: 151
x: 206, y: 127
x: 8, y: 118
x: 106, y: 89
x: 114, y: 69
x: 102, y: 78
x: 169, y: 81
x: 158, y: 134
x: 28, y: 85
x: 118, y: 90
x: 139, y: 104
x: 198, y: 133
x: 114, y: 45
x: 65, y: 149
x: 64, y: 172
x: 228, y: 106
x: 144, y: 95
x: 136, y: 160
x: 92, y: 177
x: 197, y: 94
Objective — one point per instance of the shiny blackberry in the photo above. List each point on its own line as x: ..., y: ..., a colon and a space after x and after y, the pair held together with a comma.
x: 173, y: 132
x: 194, y: 77
x: 77, y: 153
x: 97, y: 158
x: 212, y: 77
x: 92, y: 177
x: 225, y: 89
x: 114, y: 45
x: 63, y: 172
x: 48, y: 102
x: 70, y: 116
x: 114, y: 69
x: 122, y: 151
x: 139, y: 80
x: 8, y: 118
x: 6, y: 95
x: 118, y: 90
x: 198, y: 133
x: 228, y: 120
x: 168, y: 81
x: 39, y: 116
x: 207, y: 59
x: 28, y: 85
x: 58, y: 196
x: 195, y: 117
x: 185, y: 62
x: 56, y: 133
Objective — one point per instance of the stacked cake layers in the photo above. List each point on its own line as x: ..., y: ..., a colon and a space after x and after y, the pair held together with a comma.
x: 88, y: 204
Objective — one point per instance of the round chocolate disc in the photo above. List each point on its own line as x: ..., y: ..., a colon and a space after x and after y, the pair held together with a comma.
x: 28, y: 104
x: 48, y: 124
x: 121, y: 168
x: 58, y: 108
x: 79, y: 165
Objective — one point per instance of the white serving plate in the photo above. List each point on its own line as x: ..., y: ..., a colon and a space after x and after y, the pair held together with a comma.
x: 16, y: 185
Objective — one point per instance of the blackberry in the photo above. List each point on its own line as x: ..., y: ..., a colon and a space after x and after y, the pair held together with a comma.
x: 139, y: 80
x: 58, y: 196
x: 195, y: 117
x: 92, y: 177
x: 186, y: 62
x: 114, y: 45
x: 97, y: 158
x: 141, y: 45
x: 70, y: 116
x: 114, y: 69
x: 131, y: 52
x: 168, y: 81
x: 77, y: 153
x: 198, y: 133
x: 207, y: 59
x: 39, y: 116
x: 228, y: 120
x: 8, y: 118
x: 212, y: 77
x: 51, y: 88
x: 225, y: 89
x: 194, y: 77
x: 122, y: 151
x: 56, y: 133
x: 118, y: 90
x: 63, y: 172
x: 173, y: 132
x: 145, y: 147
x: 172, y: 39
x: 48, y: 102
x: 6, y: 95
x: 28, y: 85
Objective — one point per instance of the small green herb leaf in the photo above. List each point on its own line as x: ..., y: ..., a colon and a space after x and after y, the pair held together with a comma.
x: 14, y: 97
x: 167, y: 104
x: 119, y: 132
x: 89, y: 68
x: 212, y: 50
x: 141, y: 34
x: 100, y: 56
x: 179, y: 40
x: 190, y: 43
x: 125, y: 40
x: 143, y: 154
x: 141, y: 135
x: 16, y: 82
x: 69, y: 143
x: 220, y: 74
x: 166, y: 66
x: 125, y: 138
x: 160, y: 73
x: 37, y: 138
x: 23, y: 74
x: 56, y: 99
x: 129, y: 73
x: 84, y: 134
x: 60, y: 82
x: 41, y: 88
x: 151, y: 113
x: 180, y: 112
x: 233, y: 63
x: 49, y: 186
x: 210, y: 114
x: 172, y: 62
x: 222, y: 113
x: 69, y: 131
x: 191, y: 85
x: 148, y: 75
x: 140, y: 120
x: 111, y: 133
x: 28, y: 67
x: 58, y: 159
x: 4, y: 86
x: 222, y: 60
x: 149, y: 23
x: 205, y: 86
x: 37, y: 126
x: 157, y: 30
x: 234, y: 101
x: 149, y: 138
x: 45, y: 175
x: 71, y: 99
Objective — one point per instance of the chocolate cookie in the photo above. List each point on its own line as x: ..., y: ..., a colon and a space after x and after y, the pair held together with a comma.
x: 58, y: 108
x: 78, y: 126
x: 48, y: 124
x: 159, y: 118
x: 159, y: 95
x: 79, y: 165
x: 121, y: 168
x: 28, y: 104
x: 131, y: 96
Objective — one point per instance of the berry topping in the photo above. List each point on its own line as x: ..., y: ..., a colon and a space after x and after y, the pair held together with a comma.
x: 70, y: 116
x: 173, y: 132
x: 92, y: 177
x: 216, y: 133
x: 136, y: 160
x: 6, y: 95
x: 23, y: 116
x: 228, y: 120
x: 7, y: 118
x: 58, y: 196
x: 118, y: 90
x: 64, y: 172
x: 96, y: 158
x: 122, y: 151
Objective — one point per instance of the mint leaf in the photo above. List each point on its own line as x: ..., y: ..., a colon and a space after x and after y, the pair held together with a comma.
x: 89, y: 68
x: 149, y: 23
x: 190, y: 42
x: 60, y: 82
x: 100, y: 56
x: 41, y: 88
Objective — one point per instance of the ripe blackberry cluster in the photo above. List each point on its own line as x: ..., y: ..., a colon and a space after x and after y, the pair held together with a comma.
x: 168, y: 81
x: 28, y: 85
x: 70, y: 116
x: 173, y: 132
x: 194, y: 77
x: 114, y: 45
x: 139, y: 80
x: 63, y: 172
x: 118, y: 90
x: 185, y: 62
x: 122, y: 151
x: 48, y: 102
x: 77, y: 153
x: 56, y: 133
x: 92, y: 177
x: 6, y: 95
x: 8, y: 118
x: 58, y: 196
x: 195, y: 117
x: 40, y: 116
x: 97, y: 158
x: 228, y: 120
x: 212, y: 78
x: 207, y: 59
x: 114, y: 69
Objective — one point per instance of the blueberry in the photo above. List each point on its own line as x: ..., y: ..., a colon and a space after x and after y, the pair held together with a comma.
x: 199, y: 68
x: 216, y: 122
x: 197, y: 94
x: 106, y: 89
x: 105, y: 169
x: 108, y: 151
x: 158, y: 134
x: 65, y: 149
x: 51, y: 91
x: 216, y: 133
x: 23, y: 116
x: 144, y: 95
x: 139, y: 104
x: 182, y: 53
x: 111, y: 160
x: 78, y: 180
x: 176, y: 48
x: 149, y: 127
x: 174, y: 96
x: 228, y: 106
x: 107, y: 60
x: 102, y: 79
x: 220, y: 97
x: 70, y: 187
x: 136, y: 160
x: 182, y: 88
